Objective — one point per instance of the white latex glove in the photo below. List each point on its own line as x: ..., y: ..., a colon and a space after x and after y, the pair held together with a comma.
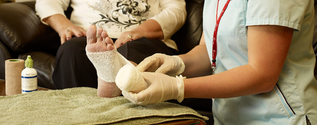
x: 161, y: 63
x: 161, y: 88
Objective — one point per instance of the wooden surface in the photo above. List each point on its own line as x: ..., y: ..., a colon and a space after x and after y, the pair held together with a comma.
x: 2, y: 88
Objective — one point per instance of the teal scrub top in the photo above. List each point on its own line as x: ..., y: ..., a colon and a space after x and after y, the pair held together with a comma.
x: 295, y: 95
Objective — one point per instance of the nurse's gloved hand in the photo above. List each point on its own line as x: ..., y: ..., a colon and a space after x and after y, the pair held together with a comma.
x: 161, y: 63
x: 161, y: 88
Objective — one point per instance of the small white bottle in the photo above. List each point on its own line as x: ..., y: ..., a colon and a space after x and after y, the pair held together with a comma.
x: 29, y: 76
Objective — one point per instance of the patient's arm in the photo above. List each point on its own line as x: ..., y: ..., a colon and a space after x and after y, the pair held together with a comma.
x: 64, y: 27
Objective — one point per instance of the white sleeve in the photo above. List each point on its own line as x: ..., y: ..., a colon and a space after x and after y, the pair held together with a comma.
x: 46, y: 8
x: 172, y: 17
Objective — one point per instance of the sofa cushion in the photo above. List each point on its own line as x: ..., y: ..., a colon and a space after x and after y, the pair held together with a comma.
x: 27, y: 33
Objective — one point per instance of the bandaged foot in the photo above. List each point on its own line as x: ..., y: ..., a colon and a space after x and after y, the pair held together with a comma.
x: 103, y: 55
x: 107, y: 61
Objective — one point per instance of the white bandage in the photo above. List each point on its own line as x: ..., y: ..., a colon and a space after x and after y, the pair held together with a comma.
x: 130, y: 79
x: 107, y: 63
x: 111, y: 66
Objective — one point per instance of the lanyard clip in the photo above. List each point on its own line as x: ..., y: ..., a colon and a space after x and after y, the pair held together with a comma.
x: 213, y: 66
x: 213, y: 69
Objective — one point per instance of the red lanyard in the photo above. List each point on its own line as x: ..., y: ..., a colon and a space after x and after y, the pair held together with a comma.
x: 214, y: 41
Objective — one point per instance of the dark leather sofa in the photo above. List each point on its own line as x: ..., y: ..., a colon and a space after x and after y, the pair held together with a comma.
x: 22, y: 34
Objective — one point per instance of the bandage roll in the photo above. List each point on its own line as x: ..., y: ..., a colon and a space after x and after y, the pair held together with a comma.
x: 130, y: 79
x: 13, y: 69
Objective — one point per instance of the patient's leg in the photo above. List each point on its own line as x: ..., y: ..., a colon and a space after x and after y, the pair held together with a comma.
x: 102, y: 53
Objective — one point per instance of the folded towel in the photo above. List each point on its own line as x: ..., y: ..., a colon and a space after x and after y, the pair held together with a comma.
x: 82, y: 106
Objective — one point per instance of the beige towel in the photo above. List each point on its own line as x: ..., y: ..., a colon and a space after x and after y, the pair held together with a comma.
x: 82, y: 106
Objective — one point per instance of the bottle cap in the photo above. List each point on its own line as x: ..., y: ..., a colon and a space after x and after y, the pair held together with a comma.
x: 28, y: 62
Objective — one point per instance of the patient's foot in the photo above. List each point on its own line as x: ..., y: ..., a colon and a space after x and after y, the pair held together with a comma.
x: 98, y: 41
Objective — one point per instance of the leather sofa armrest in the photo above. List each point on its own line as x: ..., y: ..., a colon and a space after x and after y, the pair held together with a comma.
x: 21, y: 29
x: 4, y: 55
x: 189, y: 35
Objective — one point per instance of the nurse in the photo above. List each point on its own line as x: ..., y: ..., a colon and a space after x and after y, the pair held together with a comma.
x: 263, y: 61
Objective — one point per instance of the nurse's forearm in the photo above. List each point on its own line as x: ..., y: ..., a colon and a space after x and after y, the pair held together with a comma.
x: 196, y: 62
x: 240, y: 81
